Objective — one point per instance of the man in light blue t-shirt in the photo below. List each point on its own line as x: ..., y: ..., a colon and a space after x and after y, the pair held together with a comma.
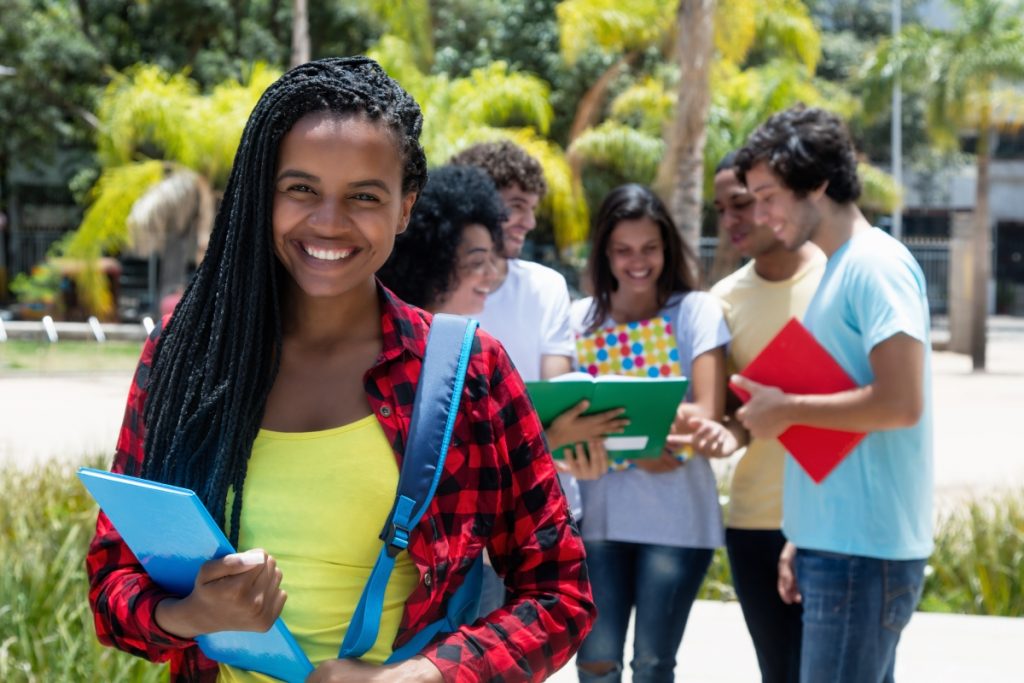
x: 858, y: 541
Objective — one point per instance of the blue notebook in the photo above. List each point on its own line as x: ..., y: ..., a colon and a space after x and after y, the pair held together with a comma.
x: 172, y: 534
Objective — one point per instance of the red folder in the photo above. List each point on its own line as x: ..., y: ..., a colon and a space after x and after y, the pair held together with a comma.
x: 795, y: 362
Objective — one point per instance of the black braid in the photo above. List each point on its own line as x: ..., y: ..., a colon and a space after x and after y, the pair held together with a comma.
x: 218, y: 356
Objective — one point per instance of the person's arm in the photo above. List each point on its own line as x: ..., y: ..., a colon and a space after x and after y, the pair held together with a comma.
x: 122, y: 596
x: 535, y: 545
x: 707, y: 373
x: 893, y: 400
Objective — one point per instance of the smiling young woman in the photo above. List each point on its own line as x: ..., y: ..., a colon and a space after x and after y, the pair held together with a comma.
x: 281, y: 391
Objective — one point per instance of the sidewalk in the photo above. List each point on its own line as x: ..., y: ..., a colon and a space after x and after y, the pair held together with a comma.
x: 935, y: 648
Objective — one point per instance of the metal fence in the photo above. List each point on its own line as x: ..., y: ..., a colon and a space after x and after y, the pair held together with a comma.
x: 931, y: 253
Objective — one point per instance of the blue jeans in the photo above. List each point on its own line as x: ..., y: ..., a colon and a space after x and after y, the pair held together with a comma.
x: 854, y: 611
x: 774, y: 626
x: 662, y: 583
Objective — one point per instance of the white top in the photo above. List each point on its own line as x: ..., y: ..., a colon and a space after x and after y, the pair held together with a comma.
x: 677, y: 508
x: 529, y: 315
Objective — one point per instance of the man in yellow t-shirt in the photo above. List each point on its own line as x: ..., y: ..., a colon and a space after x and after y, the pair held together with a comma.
x: 758, y: 299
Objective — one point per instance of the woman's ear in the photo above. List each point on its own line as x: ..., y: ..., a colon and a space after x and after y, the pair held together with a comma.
x: 408, y: 201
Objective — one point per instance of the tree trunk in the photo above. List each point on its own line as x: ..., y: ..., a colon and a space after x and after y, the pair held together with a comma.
x: 681, y: 174
x: 981, y: 242
x: 300, y: 33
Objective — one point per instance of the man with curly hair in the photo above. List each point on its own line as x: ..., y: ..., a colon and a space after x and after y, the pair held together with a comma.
x: 859, y: 540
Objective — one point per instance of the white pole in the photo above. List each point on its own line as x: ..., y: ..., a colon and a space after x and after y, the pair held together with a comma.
x: 3, y: 331
x: 897, y: 121
x: 97, y: 329
x: 51, y: 329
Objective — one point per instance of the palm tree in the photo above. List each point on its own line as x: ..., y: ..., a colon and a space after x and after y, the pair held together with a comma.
x: 697, y: 36
x: 966, y: 76
x: 165, y: 151
x: 492, y: 102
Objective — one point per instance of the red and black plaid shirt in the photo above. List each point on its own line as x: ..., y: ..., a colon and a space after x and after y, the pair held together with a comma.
x: 499, y: 490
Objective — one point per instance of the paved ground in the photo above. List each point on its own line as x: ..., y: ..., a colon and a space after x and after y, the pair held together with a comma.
x: 979, y: 429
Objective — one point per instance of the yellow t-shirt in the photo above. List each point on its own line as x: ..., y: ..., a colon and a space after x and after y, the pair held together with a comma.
x: 755, y: 310
x: 317, y: 501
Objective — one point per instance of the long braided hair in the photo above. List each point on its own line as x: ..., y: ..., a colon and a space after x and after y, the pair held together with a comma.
x: 218, y: 355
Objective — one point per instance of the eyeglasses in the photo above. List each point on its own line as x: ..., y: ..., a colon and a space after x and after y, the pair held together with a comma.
x: 479, y: 265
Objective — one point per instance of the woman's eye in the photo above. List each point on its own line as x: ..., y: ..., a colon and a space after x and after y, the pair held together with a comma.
x: 299, y: 189
x: 364, y: 197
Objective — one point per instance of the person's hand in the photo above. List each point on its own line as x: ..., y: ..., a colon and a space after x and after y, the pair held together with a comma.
x: 415, y: 670
x: 788, y: 590
x: 765, y: 414
x: 587, y: 461
x: 706, y: 437
x: 238, y: 592
x: 666, y: 462
x: 573, y: 426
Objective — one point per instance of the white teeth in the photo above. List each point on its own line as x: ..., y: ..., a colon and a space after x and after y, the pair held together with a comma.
x: 328, y: 254
x: 638, y: 274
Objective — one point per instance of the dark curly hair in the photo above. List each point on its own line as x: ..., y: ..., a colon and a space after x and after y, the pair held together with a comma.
x: 507, y: 163
x: 804, y: 147
x: 630, y: 202
x: 218, y: 356
x: 422, y: 266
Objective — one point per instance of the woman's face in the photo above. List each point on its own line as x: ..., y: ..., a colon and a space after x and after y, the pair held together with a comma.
x: 636, y: 255
x: 476, y: 272
x: 338, y: 203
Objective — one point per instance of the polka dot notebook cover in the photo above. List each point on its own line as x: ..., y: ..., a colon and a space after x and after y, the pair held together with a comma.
x: 646, y: 348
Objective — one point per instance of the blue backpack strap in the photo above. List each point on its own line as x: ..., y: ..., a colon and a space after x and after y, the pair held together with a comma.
x: 438, y: 394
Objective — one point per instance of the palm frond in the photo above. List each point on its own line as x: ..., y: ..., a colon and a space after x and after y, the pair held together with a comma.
x: 180, y: 202
x: 613, y: 26
x: 629, y: 152
x: 103, y: 226
x: 879, y: 190
x: 496, y: 96
x: 785, y: 29
x: 645, y: 106
x: 735, y: 29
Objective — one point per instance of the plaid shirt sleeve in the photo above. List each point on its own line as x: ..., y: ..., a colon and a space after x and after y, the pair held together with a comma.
x: 122, y: 596
x: 534, y: 543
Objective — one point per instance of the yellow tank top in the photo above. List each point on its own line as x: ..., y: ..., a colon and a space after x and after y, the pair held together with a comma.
x: 317, y: 501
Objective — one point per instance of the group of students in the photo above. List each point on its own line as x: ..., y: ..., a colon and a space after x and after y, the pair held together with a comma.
x: 281, y: 388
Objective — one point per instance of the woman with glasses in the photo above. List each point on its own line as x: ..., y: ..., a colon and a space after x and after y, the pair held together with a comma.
x: 445, y: 261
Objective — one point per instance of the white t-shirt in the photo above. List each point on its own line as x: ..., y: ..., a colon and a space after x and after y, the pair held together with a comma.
x: 529, y: 315
x: 677, y: 508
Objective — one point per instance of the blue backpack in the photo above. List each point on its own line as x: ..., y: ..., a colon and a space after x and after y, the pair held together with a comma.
x: 438, y: 394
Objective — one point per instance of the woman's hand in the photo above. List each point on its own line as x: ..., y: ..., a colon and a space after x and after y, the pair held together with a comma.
x: 415, y: 670
x: 706, y: 437
x: 587, y: 461
x: 572, y: 427
x: 238, y: 592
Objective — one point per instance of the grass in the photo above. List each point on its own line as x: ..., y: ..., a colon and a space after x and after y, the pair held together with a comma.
x: 18, y: 356
x: 978, y: 563
x: 47, y: 519
x: 46, y: 629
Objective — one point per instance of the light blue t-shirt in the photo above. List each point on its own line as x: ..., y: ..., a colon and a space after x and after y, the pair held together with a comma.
x: 878, y: 501
x: 678, y: 508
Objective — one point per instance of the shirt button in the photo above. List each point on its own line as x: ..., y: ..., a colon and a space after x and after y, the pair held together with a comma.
x: 427, y: 580
x: 385, y: 411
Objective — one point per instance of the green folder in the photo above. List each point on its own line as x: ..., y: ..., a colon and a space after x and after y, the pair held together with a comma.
x: 650, y: 405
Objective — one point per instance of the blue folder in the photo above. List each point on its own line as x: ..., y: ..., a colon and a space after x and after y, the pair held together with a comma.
x: 172, y: 534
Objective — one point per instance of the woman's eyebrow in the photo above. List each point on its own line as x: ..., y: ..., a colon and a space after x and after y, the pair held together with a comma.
x: 371, y: 182
x: 294, y: 173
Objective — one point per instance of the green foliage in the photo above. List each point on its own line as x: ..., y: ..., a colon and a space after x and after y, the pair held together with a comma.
x: 490, y: 103
x: 104, y: 227
x: 614, y: 26
x: 978, y: 563
x: 42, y: 285
x: 633, y: 154
x: 46, y: 520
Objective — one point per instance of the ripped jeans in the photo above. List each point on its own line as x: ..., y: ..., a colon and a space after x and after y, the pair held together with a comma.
x: 662, y: 583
